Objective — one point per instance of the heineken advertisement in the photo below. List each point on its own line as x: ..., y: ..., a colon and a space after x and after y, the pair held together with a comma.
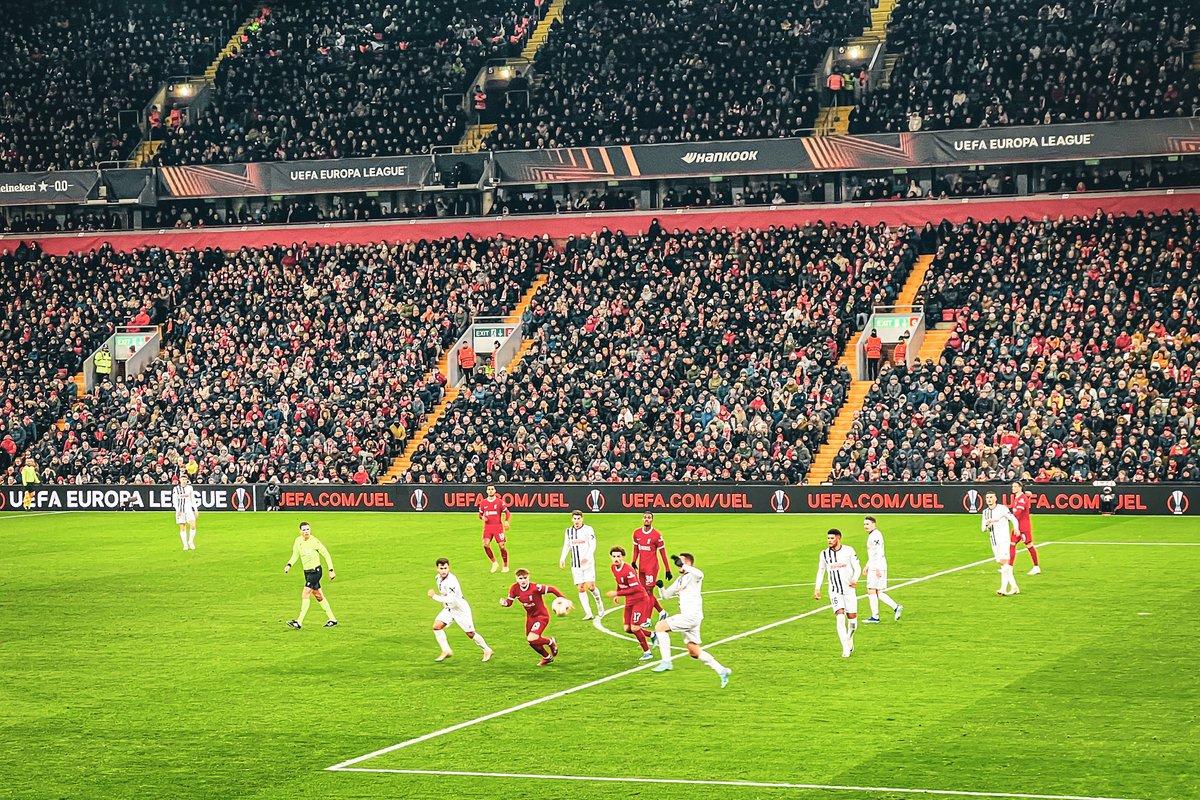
x: 1085, y: 141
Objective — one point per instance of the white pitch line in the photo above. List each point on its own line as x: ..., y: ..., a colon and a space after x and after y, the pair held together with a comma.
x: 563, y: 693
x: 32, y: 514
x: 736, y: 784
x: 1136, y: 544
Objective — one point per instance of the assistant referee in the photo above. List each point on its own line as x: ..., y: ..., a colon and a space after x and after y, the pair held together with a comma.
x: 309, y: 550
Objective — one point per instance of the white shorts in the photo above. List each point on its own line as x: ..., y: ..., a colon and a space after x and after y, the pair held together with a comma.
x: 689, y: 626
x: 999, y: 548
x: 584, y: 574
x: 847, y: 602
x: 185, y: 517
x: 462, y: 618
x: 876, y: 578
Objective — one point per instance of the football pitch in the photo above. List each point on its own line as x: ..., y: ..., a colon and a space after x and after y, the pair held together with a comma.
x: 132, y: 669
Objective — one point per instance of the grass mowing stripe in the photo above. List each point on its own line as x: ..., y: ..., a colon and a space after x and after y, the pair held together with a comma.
x: 563, y: 693
x: 736, y: 784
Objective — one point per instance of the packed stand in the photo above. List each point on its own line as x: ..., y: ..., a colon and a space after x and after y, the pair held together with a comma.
x: 1074, y: 358
x: 70, y: 67
x: 681, y: 356
x: 622, y: 72
x: 976, y: 64
x: 334, y: 80
x: 309, y: 364
x: 57, y: 310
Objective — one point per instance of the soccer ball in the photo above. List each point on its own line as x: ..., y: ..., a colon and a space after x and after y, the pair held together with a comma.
x: 562, y: 606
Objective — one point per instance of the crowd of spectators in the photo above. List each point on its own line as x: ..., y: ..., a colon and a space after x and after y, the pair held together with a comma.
x: 309, y: 363
x: 70, y: 67
x: 622, y: 72
x: 57, y: 310
x: 978, y: 64
x: 334, y: 80
x: 690, y: 356
x: 1074, y: 358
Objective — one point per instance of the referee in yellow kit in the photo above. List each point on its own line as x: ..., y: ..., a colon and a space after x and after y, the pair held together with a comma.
x: 309, y: 550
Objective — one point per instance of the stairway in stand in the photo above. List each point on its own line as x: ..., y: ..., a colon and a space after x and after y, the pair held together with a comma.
x: 934, y: 344
x: 822, y: 464
x: 473, y: 138
x: 403, y: 462
x: 835, y: 120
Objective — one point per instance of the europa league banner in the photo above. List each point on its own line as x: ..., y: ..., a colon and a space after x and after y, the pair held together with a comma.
x: 125, y: 498
x: 1136, y: 138
x: 30, y: 188
x: 609, y: 498
x: 296, y: 177
x: 1172, y: 499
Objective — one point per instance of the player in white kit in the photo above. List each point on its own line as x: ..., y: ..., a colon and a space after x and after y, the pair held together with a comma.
x: 876, y: 572
x: 688, y: 586
x: 579, y: 542
x: 186, y: 503
x: 840, y: 562
x: 455, y: 610
x: 1000, y: 523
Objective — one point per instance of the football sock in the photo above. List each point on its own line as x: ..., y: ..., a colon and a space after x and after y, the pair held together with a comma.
x: 1012, y: 579
x: 874, y: 600
x: 440, y: 635
x: 504, y: 555
x: 583, y: 603
x: 887, y: 601
x: 657, y: 605
x: 304, y: 603
x: 664, y: 646
x: 491, y: 556
x: 477, y: 639
x: 852, y: 625
x: 539, y: 649
x: 599, y: 601
x: 192, y: 538
x: 183, y: 538
x: 710, y: 662
x: 325, y: 607
x: 640, y: 633
x: 1032, y: 553
x: 841, y: 626
x: 1012, y: 553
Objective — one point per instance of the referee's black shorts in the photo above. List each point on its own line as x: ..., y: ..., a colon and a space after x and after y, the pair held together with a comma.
x: 312, y: 578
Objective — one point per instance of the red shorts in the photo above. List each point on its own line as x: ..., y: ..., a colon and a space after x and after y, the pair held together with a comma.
x: 1023, y: 536
x: 649, y: 580
x: 536, y: 625
x: 499, y: 536
x: 636, y: 613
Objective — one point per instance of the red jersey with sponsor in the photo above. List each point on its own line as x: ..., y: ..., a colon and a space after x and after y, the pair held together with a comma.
x: 531, y: 598
x: 629, y: 585
x: 1020, y: 510
x: 646, y: 545
x: 493, y: 513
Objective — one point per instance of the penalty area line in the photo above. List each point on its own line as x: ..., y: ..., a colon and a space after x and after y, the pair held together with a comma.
x: 641, y: 667
x: 733, y: 784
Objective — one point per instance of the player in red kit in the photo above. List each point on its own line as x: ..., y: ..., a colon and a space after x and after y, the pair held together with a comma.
x: 1022, y: 500
x: 648, y: 548
x: 637, y: 600
x: 495, y: 516
x: 537, y: 618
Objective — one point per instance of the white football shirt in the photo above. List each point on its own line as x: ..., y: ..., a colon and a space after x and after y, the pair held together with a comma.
x: 688, y: 587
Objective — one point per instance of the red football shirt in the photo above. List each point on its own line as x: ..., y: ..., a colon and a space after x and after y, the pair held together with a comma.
x: 646, y: 545
x: 493, y: 513
x: 1020, y: 510
x: 531, y: 598
x: 629, y: 585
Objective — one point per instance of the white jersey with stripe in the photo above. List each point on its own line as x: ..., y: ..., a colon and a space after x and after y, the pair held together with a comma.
x: 842, y: 567
x: 184, y: 499
x: 450, y: 593
x: 688, y: 587
x: 875, y: 555
x: 580, y: 544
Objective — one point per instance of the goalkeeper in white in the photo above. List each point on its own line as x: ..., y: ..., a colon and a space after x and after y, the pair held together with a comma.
x: 455, y: 609
x: 687, y: 622
x: 999, y: 523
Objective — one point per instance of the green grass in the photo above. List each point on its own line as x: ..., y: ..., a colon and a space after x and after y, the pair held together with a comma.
x: 133, y: 670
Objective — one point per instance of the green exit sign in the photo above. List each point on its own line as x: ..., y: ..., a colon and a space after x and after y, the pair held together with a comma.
x: 903, y: 321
